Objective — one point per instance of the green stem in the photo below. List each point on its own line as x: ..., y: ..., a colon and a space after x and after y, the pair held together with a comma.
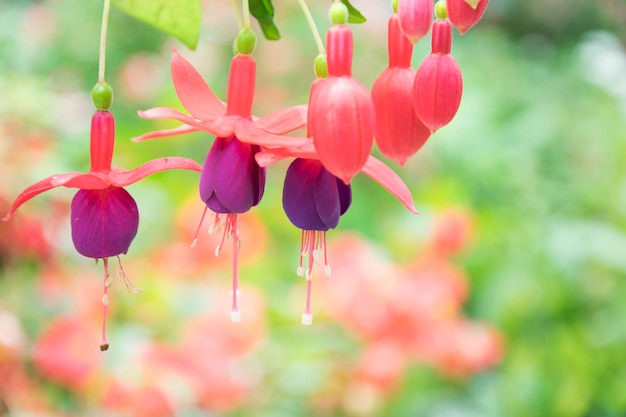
x: 237, y: 15
x: 246, y: 14
x: 314, y: 31
x: 103, y: 40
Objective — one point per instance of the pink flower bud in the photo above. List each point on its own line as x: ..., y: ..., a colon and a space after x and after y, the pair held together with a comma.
x: 416, y: 17
x: 341, y: 114
x: 399, y: 132
x: 462, y: 15
x: 438, y: 83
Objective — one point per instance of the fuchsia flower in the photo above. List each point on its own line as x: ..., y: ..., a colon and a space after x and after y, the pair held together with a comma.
x: 314, y: 199
x: 416, y: 17
x: 399, y: 132
x: 231, y: 181
x: 341, y: 112
x: 104, y: 216
x: 464, y: 15
x: 438, y: 83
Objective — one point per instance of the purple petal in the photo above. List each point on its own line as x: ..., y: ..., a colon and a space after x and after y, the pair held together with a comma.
x: 327, y: 198
x: 231, y: 180
x: 104, y: 222
x: 345, y: 196
x: 298, y: 195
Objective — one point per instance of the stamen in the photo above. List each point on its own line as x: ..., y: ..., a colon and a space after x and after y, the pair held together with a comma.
x: 129, y: 285
x: 104, y: 345
x: 312, y: 246
x: 235, y: 316
x: 195, y: 235
x: 300, y: 270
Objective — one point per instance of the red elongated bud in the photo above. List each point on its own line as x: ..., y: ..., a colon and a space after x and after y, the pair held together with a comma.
x: 341, y: 116
x: 416, y: 17
x: 463, y: 16
x: 438, y: 83
x: 399, y: 132
x: 102, y: 140
x: 241, y: 86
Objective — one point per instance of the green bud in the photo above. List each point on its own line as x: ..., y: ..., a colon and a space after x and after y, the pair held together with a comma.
x: 246, y: 41
x: 321, y: 69
x: 440, y: 10
x: 102, y: 96
x: 394, y: 5
x: 338, y: 13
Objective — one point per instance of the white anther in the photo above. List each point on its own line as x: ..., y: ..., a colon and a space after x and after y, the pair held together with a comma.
x: 316, y: 256
x: 217, y: 250
x: 307, y: 319
x: 327, y: 270
x: 300, y: 271
x: 108, y: 281
x: 235, y: 316
x: 105, y: 300
x: 309, y: 274
x: 194, y: 243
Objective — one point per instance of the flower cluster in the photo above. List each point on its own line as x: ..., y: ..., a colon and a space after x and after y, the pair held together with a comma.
x: 343, y: 120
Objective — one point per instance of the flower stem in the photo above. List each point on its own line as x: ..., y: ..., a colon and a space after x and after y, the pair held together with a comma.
x: 103, y: 40
x: 246, y: 14
x: 237, y: 15
x: 313, y: 27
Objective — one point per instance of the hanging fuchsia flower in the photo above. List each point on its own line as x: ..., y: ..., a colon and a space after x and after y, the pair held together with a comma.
x: 341, y: 111
x: 464, y: 15
x: 231, y: 181
x: 399, y: 132
x: 438, y: 83
x: 104, y: 216
x: 314, y: 199
x: 416, y: 17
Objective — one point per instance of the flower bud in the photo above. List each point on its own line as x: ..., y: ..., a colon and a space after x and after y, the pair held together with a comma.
x: 438, y: 83
x: 463, y: 16
x: 416, y: 17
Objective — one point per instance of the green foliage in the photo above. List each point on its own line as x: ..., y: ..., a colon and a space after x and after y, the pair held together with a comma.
x: 263, y: 12
x: 354, y: 15
x: 179, y: 18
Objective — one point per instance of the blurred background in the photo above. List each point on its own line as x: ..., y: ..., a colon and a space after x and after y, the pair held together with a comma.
x: 505, y: 297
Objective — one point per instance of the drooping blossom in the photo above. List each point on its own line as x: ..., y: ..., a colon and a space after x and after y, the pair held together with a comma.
x: 231, y: 181
x: 438, y: 84
x: 104, y: 216
x: 341, y: 111
x: 416, y: 17
x: 314, y: 200
x: 399, y: 132
x: 464, y: 15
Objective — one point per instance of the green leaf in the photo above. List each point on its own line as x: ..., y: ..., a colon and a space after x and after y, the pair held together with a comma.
x: 179, y: 18
x: 472, y: 3
x: 354, y: 16
x: 263, y: 12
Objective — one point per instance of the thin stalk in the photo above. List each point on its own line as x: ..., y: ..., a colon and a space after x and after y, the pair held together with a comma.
x: 246, y: 14
x: 237, y: 15
x: 313, y: 27
x: 103, y: 40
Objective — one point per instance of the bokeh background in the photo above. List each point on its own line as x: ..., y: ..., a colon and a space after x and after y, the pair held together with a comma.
x: 505, y: 297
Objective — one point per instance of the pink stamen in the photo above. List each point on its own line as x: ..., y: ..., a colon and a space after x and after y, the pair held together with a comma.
x: 104, y: 345
x: 235, y: 316
x: 311, y: 243
x: 195, y: 235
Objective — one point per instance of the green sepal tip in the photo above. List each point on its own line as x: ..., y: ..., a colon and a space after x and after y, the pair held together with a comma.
x: 102, y: 96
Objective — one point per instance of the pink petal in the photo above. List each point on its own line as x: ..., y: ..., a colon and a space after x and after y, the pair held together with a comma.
x: 285, y: 120
x: 386, y: 177
x: 271, y: 156
x: 121, y: 178
x: 247, y: 131
x: 193, y: 92
x: 74, y: 179
x: 180, y: 130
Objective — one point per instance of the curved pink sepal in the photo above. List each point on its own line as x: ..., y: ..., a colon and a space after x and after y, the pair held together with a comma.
x: 271, y: 156
x: 386, y: 177
x: 122, y: 178
x: 285, y: 120
x: 180, y: 130
x: 70, y: 180
x: 248, y: 131
x: 193, y: 91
